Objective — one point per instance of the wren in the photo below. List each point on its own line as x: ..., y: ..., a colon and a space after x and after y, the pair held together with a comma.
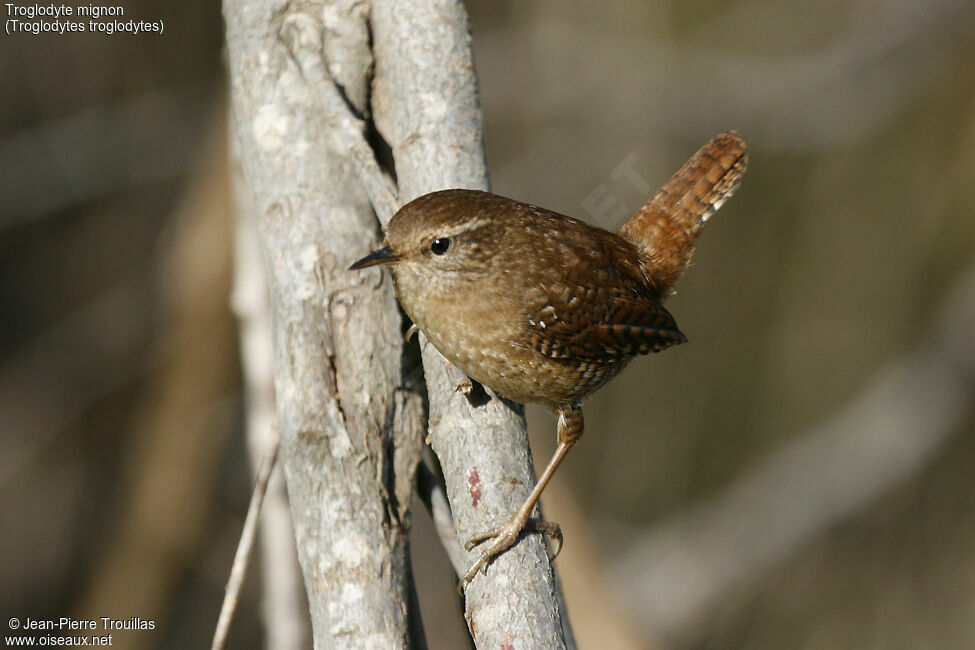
x: 540, y: 307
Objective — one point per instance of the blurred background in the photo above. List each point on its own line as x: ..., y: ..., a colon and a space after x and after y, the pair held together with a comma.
x: 799, y: 475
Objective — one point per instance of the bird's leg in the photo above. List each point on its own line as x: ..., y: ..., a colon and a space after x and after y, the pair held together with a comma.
x: 569, y: 431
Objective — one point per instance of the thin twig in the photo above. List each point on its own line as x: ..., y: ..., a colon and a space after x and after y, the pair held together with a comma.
x: 242, y: 558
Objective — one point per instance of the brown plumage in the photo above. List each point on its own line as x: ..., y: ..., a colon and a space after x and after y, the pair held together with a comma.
x: 545, y: 308
x: 666, y: 227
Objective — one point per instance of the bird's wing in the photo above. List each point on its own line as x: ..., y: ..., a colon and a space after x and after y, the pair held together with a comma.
x: 599, y: 323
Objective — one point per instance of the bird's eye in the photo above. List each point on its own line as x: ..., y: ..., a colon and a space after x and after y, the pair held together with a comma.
x: 440, y: 245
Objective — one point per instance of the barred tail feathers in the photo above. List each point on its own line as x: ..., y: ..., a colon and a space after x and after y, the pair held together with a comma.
x: 664, y: 230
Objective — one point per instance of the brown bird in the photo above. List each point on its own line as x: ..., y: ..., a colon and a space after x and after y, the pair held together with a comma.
x: 540, y: 307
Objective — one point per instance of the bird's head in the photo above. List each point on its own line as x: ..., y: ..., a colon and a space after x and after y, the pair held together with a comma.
x: 440, y: 242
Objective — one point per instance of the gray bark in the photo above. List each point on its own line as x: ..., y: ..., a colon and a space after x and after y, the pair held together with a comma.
x: 427, y: 109
x: 337, y: 346
x: 350, y: 437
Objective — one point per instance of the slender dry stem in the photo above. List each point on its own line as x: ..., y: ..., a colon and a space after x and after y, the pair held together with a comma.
x: 244, y: 548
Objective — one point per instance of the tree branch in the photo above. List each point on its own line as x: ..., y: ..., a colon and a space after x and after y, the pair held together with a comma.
x: 426, y: 107
x: 337, y: 345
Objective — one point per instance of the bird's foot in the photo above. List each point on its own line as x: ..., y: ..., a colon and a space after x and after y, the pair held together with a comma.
x: 503, y: 538
x: 463, y: 384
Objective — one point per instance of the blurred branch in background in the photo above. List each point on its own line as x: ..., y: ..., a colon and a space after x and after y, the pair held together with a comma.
x: 287, y: 625
x: 835, y: 76
x: 63, y: 371
x: 185, y: 416
x: 674, y: 575
x: 100, y: 151
x: 45, y: 389
x: 854, y: 84
x: 600, y: 616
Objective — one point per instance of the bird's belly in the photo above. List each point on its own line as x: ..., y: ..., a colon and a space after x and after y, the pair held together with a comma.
x: 518, y: 372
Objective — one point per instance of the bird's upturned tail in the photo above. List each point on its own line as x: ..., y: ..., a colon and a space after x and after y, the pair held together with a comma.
x: 666, y: 227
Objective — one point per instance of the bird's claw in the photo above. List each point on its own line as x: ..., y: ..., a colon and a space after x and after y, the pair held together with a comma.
x: 553, y: 532
x: 465, y: 386
x: 482, y: 537
x: 504, y: 537
x: 410, y: 333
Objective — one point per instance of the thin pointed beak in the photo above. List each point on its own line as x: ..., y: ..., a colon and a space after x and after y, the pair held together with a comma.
x: 381, y: 256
